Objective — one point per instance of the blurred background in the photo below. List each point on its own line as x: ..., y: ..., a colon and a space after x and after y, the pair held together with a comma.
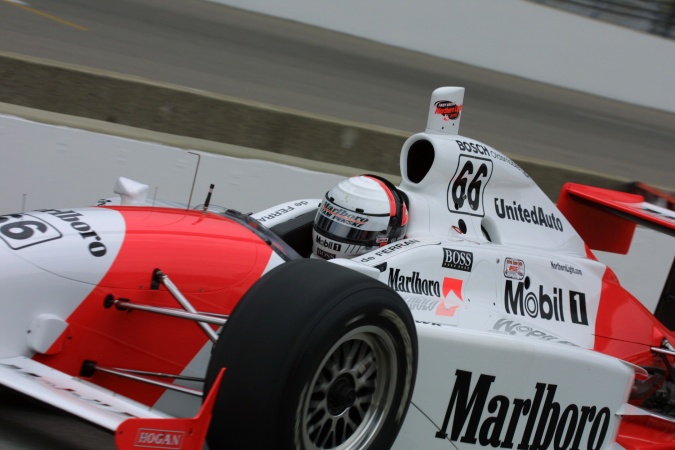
x: 347, y: 82
x: 651, y: 16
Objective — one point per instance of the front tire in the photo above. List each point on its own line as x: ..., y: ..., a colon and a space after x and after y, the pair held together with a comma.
x: 318, y: 357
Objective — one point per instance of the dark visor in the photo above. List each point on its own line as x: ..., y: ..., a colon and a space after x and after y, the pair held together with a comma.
x: 349, y: 226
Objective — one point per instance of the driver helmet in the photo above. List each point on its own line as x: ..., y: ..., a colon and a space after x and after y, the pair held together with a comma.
x: 357, y: 215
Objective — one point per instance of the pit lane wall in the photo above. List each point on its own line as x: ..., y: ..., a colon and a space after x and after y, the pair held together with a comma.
x: 62, y: 166
x: 57, y: 161
x: 518, y: 37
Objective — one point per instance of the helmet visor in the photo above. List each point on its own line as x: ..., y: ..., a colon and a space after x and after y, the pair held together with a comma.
x: 350, y: 226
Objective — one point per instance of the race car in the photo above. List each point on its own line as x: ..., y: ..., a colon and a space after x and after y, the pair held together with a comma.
x: 489, y: 324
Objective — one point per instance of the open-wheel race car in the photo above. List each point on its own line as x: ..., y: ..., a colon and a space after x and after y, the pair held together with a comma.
x: 488, y: 324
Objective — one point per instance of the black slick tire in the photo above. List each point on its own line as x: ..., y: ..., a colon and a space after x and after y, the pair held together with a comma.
x: 317, y: 356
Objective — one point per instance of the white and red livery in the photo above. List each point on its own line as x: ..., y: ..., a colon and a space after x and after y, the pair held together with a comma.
x: 490, y: 325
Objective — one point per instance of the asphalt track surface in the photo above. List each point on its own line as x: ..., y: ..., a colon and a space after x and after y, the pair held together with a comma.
x: 206, y: 46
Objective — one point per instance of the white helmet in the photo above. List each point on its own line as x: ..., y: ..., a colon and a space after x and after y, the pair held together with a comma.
x: 357, y: 215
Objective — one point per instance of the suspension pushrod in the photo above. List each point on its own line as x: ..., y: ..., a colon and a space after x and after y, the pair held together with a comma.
x: 158, y: 374
x: 162, y: 278
x: 122, y: 304
x: 663, y: 351
x: 131, y: 376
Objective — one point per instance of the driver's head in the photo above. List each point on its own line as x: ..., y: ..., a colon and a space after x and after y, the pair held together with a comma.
x: 358, y: 215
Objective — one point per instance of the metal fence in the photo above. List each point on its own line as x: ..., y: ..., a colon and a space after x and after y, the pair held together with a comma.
x: 651, y: 16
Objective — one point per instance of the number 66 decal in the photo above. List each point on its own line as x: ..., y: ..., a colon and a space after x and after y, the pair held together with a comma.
x: 465, y: 191
x: 24, y: 230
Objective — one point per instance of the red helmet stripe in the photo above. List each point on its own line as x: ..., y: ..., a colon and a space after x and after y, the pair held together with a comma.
x: 392, y: 201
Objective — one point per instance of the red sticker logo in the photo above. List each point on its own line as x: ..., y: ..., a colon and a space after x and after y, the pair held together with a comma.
x: 449, y: 110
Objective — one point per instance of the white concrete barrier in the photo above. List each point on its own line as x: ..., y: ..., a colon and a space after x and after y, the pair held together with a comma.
x: 517, y: 37
x: 644, y: 269
x: 48, y: 166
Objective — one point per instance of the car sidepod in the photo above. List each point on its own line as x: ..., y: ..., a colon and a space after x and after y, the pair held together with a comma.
x: 477, y: 390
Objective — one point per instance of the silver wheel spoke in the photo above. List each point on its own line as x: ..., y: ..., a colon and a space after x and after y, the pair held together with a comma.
x: 351, y: 391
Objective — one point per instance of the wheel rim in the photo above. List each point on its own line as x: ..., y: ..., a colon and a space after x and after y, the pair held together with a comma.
x: 351, y: 392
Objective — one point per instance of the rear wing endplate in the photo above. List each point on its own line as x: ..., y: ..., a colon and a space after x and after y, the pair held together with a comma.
x: 606, y: 219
